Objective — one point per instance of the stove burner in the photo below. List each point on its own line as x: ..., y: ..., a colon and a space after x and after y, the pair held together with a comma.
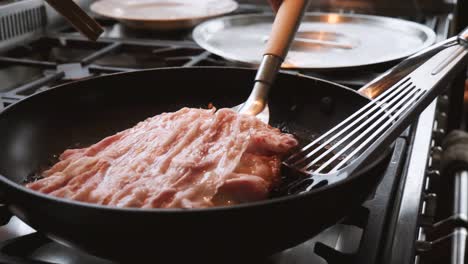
x: 73, y: 71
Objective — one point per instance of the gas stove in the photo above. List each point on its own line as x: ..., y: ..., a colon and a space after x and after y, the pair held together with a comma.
x: 395, y: 225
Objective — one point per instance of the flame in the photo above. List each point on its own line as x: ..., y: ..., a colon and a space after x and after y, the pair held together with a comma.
x: 333, y: 18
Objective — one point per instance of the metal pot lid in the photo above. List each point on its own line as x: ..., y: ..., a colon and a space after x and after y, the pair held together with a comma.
x: 323, y: 41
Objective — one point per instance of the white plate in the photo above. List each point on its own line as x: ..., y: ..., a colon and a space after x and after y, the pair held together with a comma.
x: 162, y: 14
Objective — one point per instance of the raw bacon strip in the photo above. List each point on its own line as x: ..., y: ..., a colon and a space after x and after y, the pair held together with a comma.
x: 187, y: 159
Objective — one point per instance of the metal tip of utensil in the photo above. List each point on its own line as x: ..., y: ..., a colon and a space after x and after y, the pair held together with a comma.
x: 264, y: 116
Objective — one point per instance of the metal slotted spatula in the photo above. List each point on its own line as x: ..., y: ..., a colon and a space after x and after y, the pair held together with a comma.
x: 285, y: 26
x: 405, y: 91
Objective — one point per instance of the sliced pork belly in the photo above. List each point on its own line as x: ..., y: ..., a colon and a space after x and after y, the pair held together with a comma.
x: 192, y: 158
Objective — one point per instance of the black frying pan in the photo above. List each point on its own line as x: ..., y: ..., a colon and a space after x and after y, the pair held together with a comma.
x: 35, y: 129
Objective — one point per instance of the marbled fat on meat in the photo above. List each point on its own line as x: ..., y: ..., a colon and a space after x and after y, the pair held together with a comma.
x: 192, y: 158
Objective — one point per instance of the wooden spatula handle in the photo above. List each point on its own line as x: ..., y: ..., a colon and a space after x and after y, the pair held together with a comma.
x: 287, y: 21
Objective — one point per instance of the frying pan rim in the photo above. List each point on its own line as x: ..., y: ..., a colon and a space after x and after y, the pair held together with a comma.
x: 4, y: 180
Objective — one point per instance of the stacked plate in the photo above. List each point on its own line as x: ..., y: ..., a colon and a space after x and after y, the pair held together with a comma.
x: 162, y: 14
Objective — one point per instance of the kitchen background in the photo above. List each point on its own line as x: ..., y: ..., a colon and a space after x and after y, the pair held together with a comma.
x: 404, y: 222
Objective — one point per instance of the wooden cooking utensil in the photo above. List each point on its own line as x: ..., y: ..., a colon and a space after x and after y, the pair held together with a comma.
x: 284, y: 29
